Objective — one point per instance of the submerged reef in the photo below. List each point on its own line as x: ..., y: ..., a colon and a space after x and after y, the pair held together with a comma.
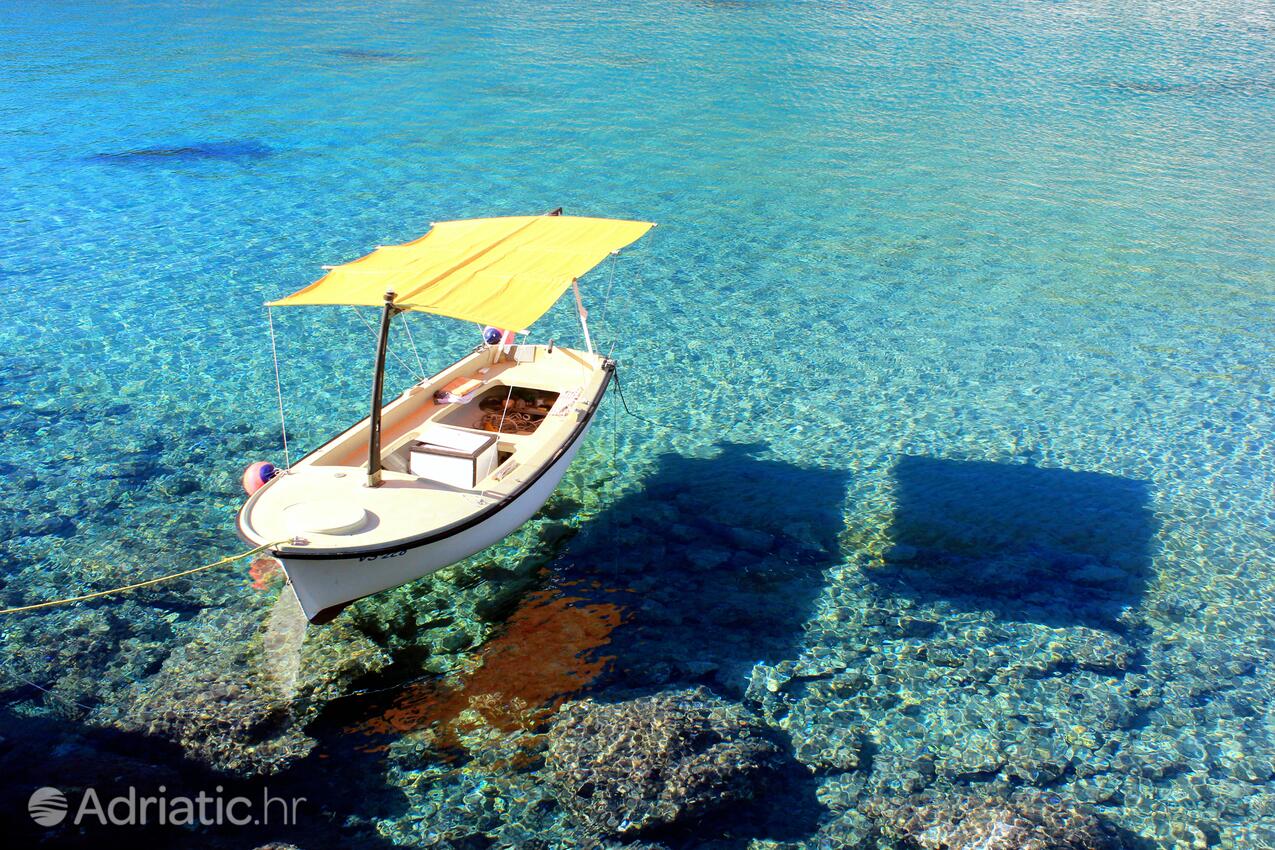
x: 99, y: 652
x: 238, y: 695
x: 203, y: 151
x: 624, y: 768
x: 366, y: 55
x: 970, y: 822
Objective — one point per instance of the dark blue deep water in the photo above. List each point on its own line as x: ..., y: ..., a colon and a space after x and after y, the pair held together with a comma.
x: 952, y: 352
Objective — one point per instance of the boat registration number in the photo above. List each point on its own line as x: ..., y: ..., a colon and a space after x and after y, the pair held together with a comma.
x: 382, y: 556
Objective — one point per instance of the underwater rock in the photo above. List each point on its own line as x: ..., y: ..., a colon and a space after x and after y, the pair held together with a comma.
x: 99, y: 652
x: 368, y: 55
x: 899, y: 553
x: 978, y: 752
x: 622, y: 768
x: 964, y: 821
x: 834, y: 748
x: 849, y: 831
x: 1102, y: 652
x: 182, y: 153
x: 751, y: 538
x: 43, y: 750
x: 238, y: 696
x: 52, y: 525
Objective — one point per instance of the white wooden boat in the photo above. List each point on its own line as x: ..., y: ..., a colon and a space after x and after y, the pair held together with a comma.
x: 460, y: 460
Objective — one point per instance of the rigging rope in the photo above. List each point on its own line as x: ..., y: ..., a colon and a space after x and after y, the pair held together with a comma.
x: 278, y: 388
x: 135, y: 585
x: 500, y: 429
x: 615, y: 255
x: 408, y: 327
x: 372, y: 331
x: 625, y: 293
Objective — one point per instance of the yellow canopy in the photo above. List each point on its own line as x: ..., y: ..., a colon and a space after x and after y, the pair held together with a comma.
x: 505, y: 272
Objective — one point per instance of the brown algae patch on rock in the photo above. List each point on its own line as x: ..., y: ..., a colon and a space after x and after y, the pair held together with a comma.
x: 546, y: 652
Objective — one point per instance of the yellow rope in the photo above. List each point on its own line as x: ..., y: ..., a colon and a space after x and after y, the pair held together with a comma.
x: 100, y: 593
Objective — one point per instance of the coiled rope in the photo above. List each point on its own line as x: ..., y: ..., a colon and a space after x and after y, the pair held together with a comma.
x: 136, y: 585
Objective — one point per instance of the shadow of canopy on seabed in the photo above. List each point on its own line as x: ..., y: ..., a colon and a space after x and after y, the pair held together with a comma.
x: 717, y: 562
x: 1058, y: 547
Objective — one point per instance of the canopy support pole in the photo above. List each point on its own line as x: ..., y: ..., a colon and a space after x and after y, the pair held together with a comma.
x: 378, y: 388
x: 584, y: 315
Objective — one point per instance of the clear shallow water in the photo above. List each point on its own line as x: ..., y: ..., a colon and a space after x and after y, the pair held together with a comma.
x: 990, y: 285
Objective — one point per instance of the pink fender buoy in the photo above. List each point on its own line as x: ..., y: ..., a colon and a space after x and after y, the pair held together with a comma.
x: 256, y: 476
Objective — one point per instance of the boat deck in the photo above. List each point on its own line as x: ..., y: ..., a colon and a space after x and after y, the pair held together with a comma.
x: 324, y: 499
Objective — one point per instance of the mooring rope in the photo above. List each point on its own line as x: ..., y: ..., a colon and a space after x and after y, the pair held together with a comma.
x: 620, y: 391
x: 53, y: 694
x: 135, y: 585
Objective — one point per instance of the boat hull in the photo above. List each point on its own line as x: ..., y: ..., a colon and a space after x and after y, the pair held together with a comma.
x: 324, y: 585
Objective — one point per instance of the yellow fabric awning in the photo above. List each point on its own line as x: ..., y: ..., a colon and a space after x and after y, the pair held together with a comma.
x: 505, y: 272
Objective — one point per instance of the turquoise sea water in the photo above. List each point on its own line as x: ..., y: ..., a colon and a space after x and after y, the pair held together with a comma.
x: 955, y: 343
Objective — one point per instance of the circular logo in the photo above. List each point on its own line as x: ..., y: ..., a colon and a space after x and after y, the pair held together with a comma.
x: 47, y: 806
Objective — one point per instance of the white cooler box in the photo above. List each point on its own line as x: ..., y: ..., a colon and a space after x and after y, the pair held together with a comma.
x: 449, y: 456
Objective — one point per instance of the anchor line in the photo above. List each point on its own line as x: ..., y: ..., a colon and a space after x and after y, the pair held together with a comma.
x: 620, y: 392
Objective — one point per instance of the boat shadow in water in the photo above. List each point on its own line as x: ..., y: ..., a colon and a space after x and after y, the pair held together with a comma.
x: 715, y: 564
x: 1058, y: 547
